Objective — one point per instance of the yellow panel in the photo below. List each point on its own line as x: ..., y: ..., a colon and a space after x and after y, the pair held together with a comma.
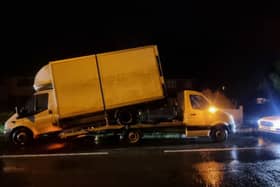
x: 130, y: 76
x: 77, y: 86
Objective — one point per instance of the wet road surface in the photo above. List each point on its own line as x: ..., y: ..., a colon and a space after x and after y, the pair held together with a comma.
x: 244, y: 160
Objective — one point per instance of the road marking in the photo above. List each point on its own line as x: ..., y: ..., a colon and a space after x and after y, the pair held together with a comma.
x: 217, y: 149
x: 53, y: 155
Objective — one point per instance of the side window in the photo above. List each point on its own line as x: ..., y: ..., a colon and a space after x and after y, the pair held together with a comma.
x: 29, y: 107
x: 41, y: 102
x: 198, y: 102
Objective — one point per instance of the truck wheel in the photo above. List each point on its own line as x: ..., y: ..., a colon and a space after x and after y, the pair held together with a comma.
x: 133, y: 136
x: 125, y: 117
x: 219, y: 134
x: 21, y: 137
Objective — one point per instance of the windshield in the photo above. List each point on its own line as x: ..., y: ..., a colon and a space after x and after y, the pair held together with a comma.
x: 198, y: 102
x: 29, y: 106
x: 35, y: 104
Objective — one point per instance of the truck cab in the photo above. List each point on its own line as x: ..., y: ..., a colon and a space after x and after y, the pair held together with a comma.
x: 36, y: 117
x: 201, y: 116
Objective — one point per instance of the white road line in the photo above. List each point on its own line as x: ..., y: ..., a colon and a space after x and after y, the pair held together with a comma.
x: 217, y: 149
x: 53, y: 155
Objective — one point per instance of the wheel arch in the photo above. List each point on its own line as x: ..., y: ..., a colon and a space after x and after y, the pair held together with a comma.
x: 221, y: 129
x: 33, y: 133
x: 220, y: 124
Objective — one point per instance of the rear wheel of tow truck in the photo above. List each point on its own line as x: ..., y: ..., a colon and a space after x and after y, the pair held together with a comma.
x: 133, y: 136
x: 219, y: 134
x: 21, y: 137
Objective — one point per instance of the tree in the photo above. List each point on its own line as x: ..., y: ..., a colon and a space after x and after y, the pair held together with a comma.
x: 274, y: 76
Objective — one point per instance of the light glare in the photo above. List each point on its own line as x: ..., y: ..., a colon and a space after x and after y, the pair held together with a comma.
x: 212, y: 109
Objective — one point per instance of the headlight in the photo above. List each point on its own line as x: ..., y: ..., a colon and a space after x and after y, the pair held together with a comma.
x: 276, y: 124
x: 212, y: 109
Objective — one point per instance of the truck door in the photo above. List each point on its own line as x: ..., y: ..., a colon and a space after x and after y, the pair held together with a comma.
x: 44, y: 117
x: 196, y: 109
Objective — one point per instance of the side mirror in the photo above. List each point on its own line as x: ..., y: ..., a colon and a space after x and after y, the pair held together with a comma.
x: 16, y: 109
x: 21, y: 112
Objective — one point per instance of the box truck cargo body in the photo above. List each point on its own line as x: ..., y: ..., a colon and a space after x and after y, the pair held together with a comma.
x: 106, y: 81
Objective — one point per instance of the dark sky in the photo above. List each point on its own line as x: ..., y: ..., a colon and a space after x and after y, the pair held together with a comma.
x: 216, y: 42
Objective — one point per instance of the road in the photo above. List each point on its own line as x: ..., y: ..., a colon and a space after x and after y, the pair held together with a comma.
x: 244, y: 160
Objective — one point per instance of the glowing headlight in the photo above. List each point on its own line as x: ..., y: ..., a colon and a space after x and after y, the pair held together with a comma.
x: 212, y: 109
x: 276, y: 123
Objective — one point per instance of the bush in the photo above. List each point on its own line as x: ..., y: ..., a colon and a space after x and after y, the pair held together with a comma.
x: 1, y: 128
x: 3, y: 117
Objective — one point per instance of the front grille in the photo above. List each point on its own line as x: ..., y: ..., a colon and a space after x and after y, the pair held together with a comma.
x: 266, y: 123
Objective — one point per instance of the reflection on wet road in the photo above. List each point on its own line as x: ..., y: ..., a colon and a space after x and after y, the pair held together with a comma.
x: 245, y: 160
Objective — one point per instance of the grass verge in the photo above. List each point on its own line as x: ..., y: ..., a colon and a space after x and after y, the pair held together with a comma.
x: 3, y: 117
x: 1, y: 128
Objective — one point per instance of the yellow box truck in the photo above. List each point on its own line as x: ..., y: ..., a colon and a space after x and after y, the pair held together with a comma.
x: 121, y: 92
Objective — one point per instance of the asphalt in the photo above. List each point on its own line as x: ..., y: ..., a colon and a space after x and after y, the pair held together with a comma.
x: 246, y: 159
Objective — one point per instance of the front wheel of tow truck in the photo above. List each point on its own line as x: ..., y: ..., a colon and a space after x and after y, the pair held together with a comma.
x: 133, y: 136
x: 21, y: 137
x: 219, y: 134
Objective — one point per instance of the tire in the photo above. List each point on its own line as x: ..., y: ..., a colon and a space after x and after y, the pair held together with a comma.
x: 125, y: 117
x: 133, y: 136
x: 219, y: 134
x: 21, y: 137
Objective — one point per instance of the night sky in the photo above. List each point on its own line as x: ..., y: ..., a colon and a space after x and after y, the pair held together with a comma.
x: 214, y: 42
